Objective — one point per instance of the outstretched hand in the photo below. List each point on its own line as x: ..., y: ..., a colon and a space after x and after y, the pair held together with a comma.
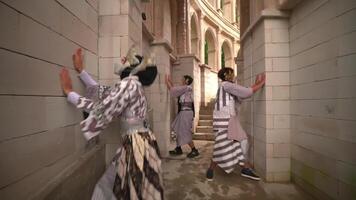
x: 260, y: 78
x: 66, y: 82
x: 78, y: 60
x: 169, y: 81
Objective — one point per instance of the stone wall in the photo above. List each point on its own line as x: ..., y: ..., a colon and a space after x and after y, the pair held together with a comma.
x: 303, y: 122
x: 323, y: 97
x: 40, y: 140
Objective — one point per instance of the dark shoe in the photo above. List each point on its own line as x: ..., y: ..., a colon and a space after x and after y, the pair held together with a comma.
x: 194, y: 153
x: 210, y: 174
x: 176, y: 152
x: 248, y: 173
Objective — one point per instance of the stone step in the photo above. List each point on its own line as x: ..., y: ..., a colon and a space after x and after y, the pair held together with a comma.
x: 206, y: 117
x: 205, y: 112
x: 204, y: 136
x: 204, y: 129
x: 205, y: 123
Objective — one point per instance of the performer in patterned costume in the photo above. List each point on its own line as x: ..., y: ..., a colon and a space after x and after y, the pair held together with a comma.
x: 135, y: 172
x: 228, y: 153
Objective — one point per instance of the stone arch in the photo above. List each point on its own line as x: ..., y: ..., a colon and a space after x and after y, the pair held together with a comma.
x: 194, y: 34
x: 210, y: 48
x: 226, y: 55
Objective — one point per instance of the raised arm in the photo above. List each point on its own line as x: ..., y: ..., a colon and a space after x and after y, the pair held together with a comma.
x: 79, y: 67
x: 245, y: 92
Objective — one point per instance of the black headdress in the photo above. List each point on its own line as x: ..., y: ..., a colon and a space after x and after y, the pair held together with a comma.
x: 143, y: 67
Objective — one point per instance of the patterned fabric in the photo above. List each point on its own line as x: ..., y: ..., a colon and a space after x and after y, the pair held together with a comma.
x: 139, y: 169
x: 127, y: 95
x: 227, y: 153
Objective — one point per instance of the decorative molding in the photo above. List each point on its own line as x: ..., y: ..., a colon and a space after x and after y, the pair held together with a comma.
x: 163, y: 42
x: 191, y: 55
x: 265, y: 14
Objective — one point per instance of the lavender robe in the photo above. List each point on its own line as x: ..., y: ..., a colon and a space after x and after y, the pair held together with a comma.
x: 182, y: 124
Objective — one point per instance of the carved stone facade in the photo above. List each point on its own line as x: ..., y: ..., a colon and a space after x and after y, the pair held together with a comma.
x: 42, y: 151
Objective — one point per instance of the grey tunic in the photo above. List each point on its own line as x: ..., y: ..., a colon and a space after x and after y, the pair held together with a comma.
x: 182, y: 124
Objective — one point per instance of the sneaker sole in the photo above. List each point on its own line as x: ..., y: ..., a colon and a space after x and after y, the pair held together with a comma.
x: 210, y: 180
x: 251, y: 177
x: 193, y: 156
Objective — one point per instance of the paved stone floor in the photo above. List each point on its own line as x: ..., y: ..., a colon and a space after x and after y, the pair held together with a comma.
x: 184, y: 179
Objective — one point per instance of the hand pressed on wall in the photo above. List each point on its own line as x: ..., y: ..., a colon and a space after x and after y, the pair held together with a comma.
x: 66, y: 82
x: 78, y: 60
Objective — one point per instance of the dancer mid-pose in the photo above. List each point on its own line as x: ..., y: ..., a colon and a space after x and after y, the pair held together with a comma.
x: 227, y: 152
x: 183, y: 123
x: 135, y: 172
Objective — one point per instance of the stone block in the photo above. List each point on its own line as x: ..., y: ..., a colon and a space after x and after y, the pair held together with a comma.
x: 278, y: 136
x: 317, y: 54
x: 278, y: 107
x: 115, y: 25
x: 315, y: 160
x: 346, y: 66
x: 277, y: 50
x: 346, y: 191
x: 345, y: 109
x: 106, y: 67
x: 278, y: 164
x: 326, y: 184
x: 281, y: 176
x: 276, y: 24
x: 281, y: 151
x: 280, y: 92
x: 50, y: 112
x: 318, y: 144
x: 94, y: 4
x: 316, y: 108
x: 109, y: 47
x: 281, y: 121
x: 345, y: 5
x: 124, y: 6
x: 280, y: 64
x: 37, y: 151
x: 277, y: 78
x: 109, y: 7
x: 83, y: 11
x: 48, y: 12
x: 279, y: 35
x: 91, y: 63
x: 346, y: 46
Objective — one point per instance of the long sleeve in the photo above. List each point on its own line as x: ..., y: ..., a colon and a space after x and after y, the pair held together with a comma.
x: 103, y: 111
x: 238, y: 90
x: 73, y: 98
x: 87, y: 79
x: 178, y: 90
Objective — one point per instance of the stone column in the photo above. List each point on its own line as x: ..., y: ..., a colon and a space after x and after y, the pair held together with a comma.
x: 119, y: 28
x: 159, y: 98
x: 267, y: 116
x: 218, y: 49
x: 182, y: 27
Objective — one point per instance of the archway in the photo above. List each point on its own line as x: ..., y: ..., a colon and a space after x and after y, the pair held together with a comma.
x: 226, y: 55
x: 194, y: 38
x: 209, y: 49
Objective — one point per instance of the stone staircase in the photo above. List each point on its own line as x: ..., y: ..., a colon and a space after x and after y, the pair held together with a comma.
x: 204, y: 130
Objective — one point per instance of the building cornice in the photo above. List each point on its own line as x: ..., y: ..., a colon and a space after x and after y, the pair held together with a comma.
x: 163, y: 42
x: 265, y: 14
